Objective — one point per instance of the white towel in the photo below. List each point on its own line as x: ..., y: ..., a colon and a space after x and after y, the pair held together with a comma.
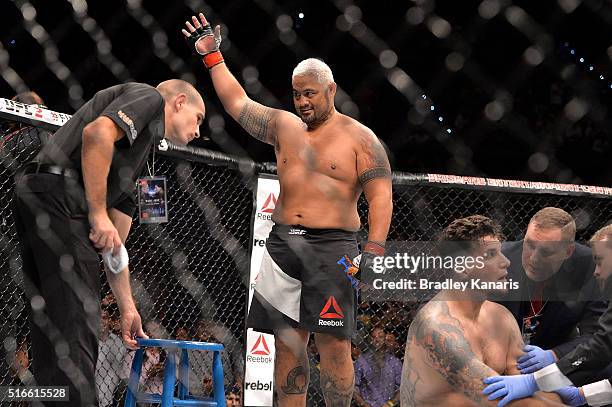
x: 116, y: 263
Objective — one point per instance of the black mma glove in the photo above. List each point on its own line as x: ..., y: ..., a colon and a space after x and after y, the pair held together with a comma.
x: 366, y: 264
x: 205, y: 42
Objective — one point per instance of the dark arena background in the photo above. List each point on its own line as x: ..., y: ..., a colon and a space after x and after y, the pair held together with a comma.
x: 516, y: 90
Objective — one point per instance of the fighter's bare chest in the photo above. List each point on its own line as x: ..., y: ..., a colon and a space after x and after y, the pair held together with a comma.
x: 491, y: 349
x: 334, y: 156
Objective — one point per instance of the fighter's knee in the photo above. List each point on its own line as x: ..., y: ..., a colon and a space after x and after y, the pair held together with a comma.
x: 291, y: 341
x: 331, y: 346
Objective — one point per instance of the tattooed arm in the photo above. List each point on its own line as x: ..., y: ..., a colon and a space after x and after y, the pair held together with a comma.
x: 258, y: 120
x: 374, y: 174
x: 440, y: 340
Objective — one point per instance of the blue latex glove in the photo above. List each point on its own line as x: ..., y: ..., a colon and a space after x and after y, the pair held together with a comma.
x: 571, y: 396
x: 509, y: 387
x: 535, y: 359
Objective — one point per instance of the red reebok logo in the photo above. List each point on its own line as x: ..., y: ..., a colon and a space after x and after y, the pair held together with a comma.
x: 260, y: 347
x: 335, y: 308
x: 269, y: 204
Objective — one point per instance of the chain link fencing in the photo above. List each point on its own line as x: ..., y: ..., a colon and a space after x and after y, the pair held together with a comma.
x: 189, y: 275
x: 529, y: 100
x: 451, y: 85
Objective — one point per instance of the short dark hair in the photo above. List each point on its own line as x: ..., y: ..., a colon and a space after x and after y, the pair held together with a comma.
x: 462, y: 234
x: 378, y: 327
x: 29, y: 98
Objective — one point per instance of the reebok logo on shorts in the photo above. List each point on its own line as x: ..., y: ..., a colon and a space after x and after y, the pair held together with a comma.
x: 331, y: 310
x: 336, y: 311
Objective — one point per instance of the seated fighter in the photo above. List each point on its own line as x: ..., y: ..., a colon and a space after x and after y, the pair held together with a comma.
x: 458, y: 338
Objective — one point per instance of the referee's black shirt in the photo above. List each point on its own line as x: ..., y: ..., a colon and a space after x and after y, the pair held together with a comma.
x: 138, y: 109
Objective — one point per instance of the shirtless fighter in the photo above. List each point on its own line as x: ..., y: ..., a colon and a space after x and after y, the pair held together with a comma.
x: 325, y: 160
x: 459, y: 337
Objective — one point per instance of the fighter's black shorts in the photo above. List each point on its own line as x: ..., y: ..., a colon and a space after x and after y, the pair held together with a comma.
x: 305, y: 282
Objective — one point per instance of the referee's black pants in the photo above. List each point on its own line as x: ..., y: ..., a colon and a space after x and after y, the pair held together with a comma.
x: 62, y: 280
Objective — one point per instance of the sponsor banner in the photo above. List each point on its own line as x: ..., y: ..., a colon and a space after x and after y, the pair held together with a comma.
x: 518, y: 184
x: 267, y: 195
x: 259, y: 358
x: 33, y: 114
x: 259, y: 369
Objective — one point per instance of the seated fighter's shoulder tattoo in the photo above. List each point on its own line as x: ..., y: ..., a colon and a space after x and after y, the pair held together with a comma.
x: 448, y: 351
x: 374, y: 158
x: 256, y: 119
x: 411, y: 377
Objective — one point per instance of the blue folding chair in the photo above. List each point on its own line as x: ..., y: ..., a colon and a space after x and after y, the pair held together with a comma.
x: 183, y: 398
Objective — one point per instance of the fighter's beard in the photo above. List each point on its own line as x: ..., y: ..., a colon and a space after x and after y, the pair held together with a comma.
x: 316, y: 121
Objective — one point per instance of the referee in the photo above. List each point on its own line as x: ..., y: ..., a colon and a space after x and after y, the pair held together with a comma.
x: 76, y: 200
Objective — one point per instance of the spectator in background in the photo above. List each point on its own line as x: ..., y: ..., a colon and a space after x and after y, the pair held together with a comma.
x: 152, y: 376
x: 232, y: 398
x: 110, y: 367
x: 377, y: 374
x: 19, y: 362
x: 20, y: 142
x: 393, y: 346
x: 155, y: 329
x: 355, y: 351
x: 108, y: 301
x: 29, y: 98
x: 365, y: 317
x: 392, y: 314
x: 200, y: 377
x: 182, y: 334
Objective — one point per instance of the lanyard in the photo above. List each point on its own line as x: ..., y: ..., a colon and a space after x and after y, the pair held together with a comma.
x: 151, y: 169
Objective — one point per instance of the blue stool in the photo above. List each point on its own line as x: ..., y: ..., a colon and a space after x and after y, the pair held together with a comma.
x: 167, y: 397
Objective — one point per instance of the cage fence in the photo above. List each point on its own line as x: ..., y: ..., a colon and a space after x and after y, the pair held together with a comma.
x: 190, y: 275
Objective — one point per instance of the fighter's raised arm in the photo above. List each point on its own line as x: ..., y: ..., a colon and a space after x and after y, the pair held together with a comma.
x: 258, y: 120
